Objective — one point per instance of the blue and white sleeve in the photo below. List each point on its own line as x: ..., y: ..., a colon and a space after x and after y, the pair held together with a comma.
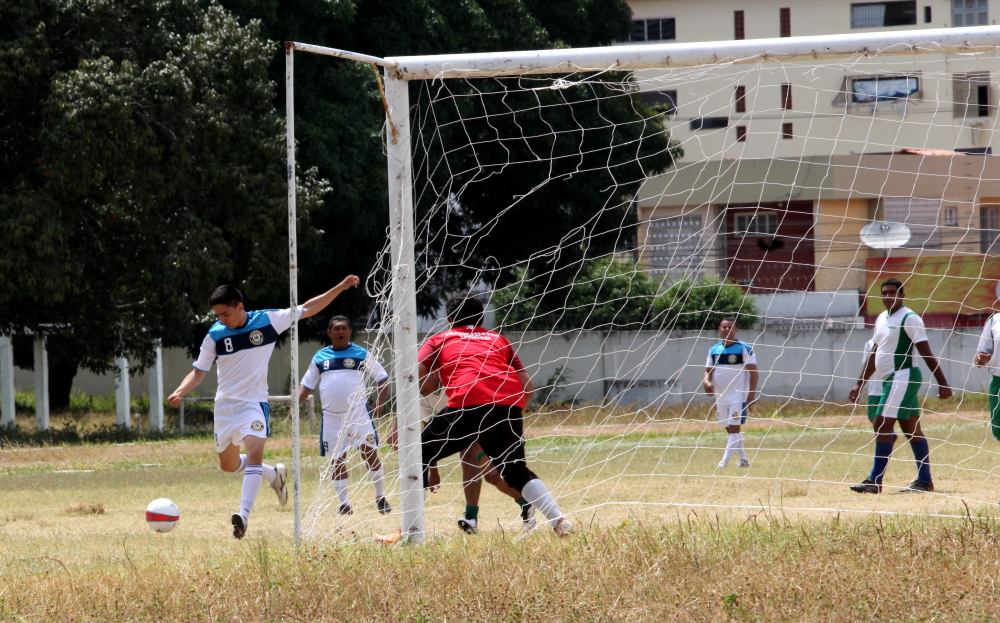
x: 311, y: 378
x: 281, y: 319
x: 207, y: 355
x: 375, y: 370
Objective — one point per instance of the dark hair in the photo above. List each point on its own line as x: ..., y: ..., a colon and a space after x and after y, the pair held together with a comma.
x: 892, y: 282
x: 731, y: 319
x: 226, y: 295
x: 339, y: 319
x: 465, y: 308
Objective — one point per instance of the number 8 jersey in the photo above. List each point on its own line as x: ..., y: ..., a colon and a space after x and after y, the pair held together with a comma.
x: 242, y: 354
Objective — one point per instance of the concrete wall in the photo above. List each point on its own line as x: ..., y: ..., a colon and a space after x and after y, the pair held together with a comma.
x: 804, y: 361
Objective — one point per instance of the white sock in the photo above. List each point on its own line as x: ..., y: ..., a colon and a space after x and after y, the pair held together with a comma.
x: 378, y: 481
x: 243, y: 464
x: 740, y: 450
x: 537, y: 494
x: 251, y: 485
x: 731, y: 446
x: 269, y: 473
x: 341, y: 487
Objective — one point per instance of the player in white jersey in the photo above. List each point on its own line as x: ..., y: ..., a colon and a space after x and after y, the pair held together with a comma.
x: 339, y: 372
x: 898, y: 331
x: 731, y: 372
x: 988, y: 355
x: 240, y: 344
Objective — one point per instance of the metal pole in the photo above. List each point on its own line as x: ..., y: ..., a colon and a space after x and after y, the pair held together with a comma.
x: 180, y: 419
x: 156, y: 390
x: 41, y: 384
x: 404, y: 309
x: 7, y: 383
x: 123, y: 398
x: 293, y: 292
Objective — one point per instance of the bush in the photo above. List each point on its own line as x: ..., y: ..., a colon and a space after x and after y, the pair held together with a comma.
x: 702, y: 303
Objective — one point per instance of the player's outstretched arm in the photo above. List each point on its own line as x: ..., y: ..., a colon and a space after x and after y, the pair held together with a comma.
x: 866, y: 373
x: 192, y: 380
x: 924, y: 348
x: 318, y: 303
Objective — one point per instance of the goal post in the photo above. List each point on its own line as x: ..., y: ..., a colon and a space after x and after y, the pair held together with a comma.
x: 399, y: 71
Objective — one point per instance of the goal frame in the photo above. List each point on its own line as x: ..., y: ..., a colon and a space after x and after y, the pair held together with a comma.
x: 399, y: 71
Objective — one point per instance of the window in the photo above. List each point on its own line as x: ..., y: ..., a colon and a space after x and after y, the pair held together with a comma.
x: 786, y: 130
x: 884, y: 88
x: 927, y: 15
x: 970, y: 12
x: 653, y: 29
x: 882, y: 14
x: 989, y: 229
x: 674, y: 243
x: 951, y: 217
x: 971, y: 95
x: 709, y: 123
x: 757, y: 224
x: 741, y: 99
x: 661, y: 100
x: 741, y: 134
x: 786, y: 22
x: 738, y: 30
x: 786, y: 96
x: 920, y: 215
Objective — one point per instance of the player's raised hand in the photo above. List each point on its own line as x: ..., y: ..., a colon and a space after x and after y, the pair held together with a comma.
x: 350, y: 281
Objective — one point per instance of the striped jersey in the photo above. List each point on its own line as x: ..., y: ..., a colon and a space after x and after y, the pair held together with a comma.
x: 875, y: 382
x: 340, y: 377
x: 242, y: 354
x: 988, y: 344
x: 729, y: 374
x: 894, y: 338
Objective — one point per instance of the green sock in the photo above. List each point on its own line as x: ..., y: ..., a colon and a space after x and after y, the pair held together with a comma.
x: 471, y: 512
x: 523, y: 502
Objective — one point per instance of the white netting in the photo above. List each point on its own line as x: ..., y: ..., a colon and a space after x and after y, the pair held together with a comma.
x: 598, y: 214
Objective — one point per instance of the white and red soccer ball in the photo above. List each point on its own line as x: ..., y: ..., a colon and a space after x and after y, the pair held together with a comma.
x: 162, y: 515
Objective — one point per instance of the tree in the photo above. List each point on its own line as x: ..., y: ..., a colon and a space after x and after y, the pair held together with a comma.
x: 700, y: 304
x: 144, y: 165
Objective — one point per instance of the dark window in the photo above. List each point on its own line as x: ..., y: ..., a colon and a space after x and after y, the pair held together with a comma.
x: 989, y: 230
x: 970, y: 12
x: 661, y: 100
x: 741, y: 99
x: 738, y: 27
x: 709, y: 123
x: 653, y: 29
x: 983, y: 97
x: 741, y: 133
x: 786, y: 22
x: 882, y: 14
x: 786, y: 96
x: 786, y: 130
x: 927, y: 15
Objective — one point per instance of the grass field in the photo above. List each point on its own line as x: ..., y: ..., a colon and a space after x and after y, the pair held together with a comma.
x: 662, y: 534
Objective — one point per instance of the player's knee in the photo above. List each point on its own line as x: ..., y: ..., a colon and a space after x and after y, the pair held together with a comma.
x: 516, y: 474
x: 493, y: 477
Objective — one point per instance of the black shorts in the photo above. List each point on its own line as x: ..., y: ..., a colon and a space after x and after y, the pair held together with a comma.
x: 497, y: 428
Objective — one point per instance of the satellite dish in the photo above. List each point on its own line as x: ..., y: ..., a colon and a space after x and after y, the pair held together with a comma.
x: 885, y: 235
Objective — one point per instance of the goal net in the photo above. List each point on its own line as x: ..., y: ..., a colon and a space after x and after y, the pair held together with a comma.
x: 612, y: 213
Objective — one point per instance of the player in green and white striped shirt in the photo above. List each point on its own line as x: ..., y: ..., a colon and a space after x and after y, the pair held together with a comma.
x: 989, y: 356
x: 898, y: 331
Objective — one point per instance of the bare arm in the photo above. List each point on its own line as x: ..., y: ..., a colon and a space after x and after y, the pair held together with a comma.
x: 529, y: 387
x: 866, y: 374
x: 318, y: 303
x: 192, y: 380
x: 304, y: 393
x: 381, y: 397
x: 706, y: 382
x: 924, y: 348
x: 752, y: 393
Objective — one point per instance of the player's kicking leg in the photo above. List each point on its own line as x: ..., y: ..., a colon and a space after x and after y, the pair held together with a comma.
x: 476, y: 467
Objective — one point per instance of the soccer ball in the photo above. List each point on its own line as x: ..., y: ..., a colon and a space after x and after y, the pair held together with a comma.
x: 162, y: 515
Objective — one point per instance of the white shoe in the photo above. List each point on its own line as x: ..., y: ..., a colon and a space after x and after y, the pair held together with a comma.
x: 468, y: 525
x: 279, y: 486
x: 744, y: 463
x: 722, y: 465
x: 563, y: 527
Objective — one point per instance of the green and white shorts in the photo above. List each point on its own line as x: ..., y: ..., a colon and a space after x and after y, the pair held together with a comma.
x: 873, y: 402
x: 899, y: 394
x: 995, y: 407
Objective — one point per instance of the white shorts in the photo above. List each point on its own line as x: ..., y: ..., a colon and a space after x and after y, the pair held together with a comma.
x: 337, y: 437
x: 731, y: 414
x: 236, y: 420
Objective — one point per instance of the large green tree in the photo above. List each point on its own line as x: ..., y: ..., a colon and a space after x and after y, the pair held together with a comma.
x: 142, y: 165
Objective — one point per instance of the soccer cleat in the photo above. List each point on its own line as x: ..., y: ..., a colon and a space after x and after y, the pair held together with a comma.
x: 468, y: 525
x: 528, y: 518
x: 744, y: 463
x: 867, y: 486
x: 279, y: 485
x: 563, y: 527
x: 918, y: 486
x: 722, y: 465
x: 239, y: 525
x: 345, y: 509
x: 383, y: 506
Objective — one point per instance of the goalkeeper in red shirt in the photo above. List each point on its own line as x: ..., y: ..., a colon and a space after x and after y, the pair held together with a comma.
x: 487, y: 387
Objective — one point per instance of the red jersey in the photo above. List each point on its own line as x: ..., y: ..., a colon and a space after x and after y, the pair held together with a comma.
x: 476, y: 366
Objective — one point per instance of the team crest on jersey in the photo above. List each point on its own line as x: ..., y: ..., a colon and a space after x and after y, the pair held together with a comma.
x: 256, y: 337
x: 370, y: 439
x: 349, y: 363
x: 732, y: 358
x: 257, y: 426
